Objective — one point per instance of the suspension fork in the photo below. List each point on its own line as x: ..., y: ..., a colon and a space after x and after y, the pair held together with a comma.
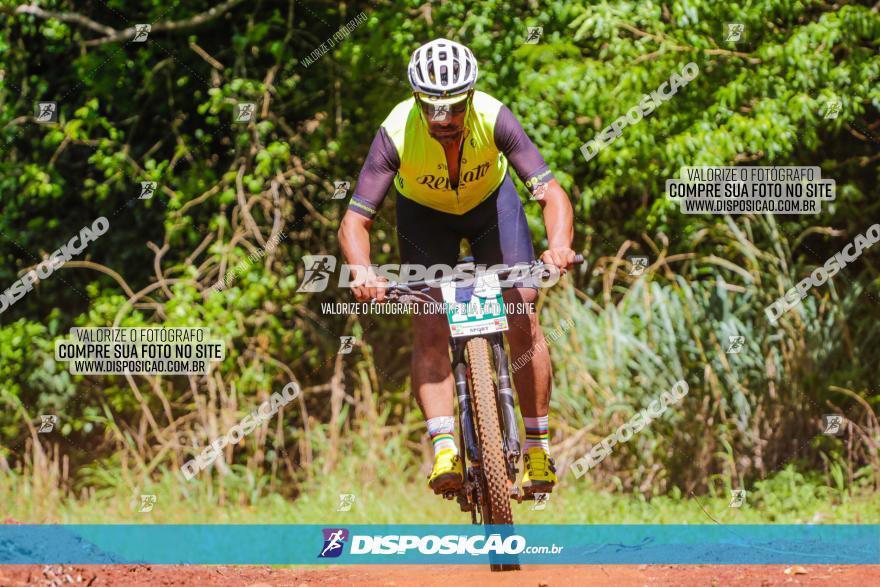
x: 505, y: 399
x: 465, y: 406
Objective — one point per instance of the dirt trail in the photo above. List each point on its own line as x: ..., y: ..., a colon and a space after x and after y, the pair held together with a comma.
x: 439, y: 576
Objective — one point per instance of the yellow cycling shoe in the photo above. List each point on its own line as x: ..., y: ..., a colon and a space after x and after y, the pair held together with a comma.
x: 448, y: 473
x: 540, y: 475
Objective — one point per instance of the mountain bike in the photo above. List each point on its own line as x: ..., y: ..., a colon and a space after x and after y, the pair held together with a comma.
x: 488, y: 428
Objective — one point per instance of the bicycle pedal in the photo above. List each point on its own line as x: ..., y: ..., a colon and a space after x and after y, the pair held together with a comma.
x: 516, y: 494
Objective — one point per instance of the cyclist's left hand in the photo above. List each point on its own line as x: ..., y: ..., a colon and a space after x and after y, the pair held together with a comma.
x: 562, y: 257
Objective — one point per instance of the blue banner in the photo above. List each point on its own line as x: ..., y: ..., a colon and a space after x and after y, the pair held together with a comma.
x: 440, y: 544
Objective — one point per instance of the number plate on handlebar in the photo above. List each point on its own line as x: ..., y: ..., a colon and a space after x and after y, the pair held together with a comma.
x: 475, y: 308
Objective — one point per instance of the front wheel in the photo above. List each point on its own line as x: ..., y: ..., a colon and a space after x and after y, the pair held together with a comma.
x: 496, y: 502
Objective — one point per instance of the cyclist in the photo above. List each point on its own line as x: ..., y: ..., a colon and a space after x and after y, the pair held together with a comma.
x: 447, y: 150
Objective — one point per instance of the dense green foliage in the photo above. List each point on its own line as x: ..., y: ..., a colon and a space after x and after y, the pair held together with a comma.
x: 163, y: 111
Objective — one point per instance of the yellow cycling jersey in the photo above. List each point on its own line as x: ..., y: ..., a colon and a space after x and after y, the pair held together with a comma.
x: 423, y: 175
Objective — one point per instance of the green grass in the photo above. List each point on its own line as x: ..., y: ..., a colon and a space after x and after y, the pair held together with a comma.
x: 786, y: 498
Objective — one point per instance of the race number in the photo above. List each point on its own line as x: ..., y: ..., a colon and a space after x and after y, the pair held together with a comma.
x: 476, y: 308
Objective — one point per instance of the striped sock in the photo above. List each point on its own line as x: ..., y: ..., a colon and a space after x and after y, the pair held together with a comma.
x: 538, y: 432
x: 441, y: 430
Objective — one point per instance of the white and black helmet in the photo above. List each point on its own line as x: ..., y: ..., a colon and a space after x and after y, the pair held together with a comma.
x: 442, y: 68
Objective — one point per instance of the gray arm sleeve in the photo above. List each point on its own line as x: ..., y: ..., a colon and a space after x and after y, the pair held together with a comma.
x: 521, y: 151
x: 376, y: 176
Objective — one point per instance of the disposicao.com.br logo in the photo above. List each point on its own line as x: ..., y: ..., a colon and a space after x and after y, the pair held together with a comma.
x: 335, y: 538
x: 318, y: 270
x: 334, y: 542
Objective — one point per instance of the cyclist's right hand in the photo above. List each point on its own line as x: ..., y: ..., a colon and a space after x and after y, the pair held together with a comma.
x: 370, y: 286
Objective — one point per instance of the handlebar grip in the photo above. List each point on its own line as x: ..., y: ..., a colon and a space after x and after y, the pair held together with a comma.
x: 578, y: 259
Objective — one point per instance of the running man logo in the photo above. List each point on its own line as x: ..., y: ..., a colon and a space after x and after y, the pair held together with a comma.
x: 47, y: 424
x: 539, y: 192
x: 534, y: 35
x: 735, y: 32
x: 832, y: 109
x: 244, y: 111
x: 737, y: 498
x: 334, y: 541
x: 46, y: 112
x: 346, y: 345
x: 833, y: 424
x: 440, y: 112
x: 340, y: 189
x: 147, y: 190
x: 541, y: 500
x: 148, y: 502
x: 735, y: 344
x: 537, y: 185
x: 318, y: 269
x: 346, y: 500
x: 141, y: 32
x: 639, y: 264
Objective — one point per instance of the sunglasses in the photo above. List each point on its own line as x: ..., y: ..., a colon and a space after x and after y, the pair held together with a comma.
x: 458, y: 108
